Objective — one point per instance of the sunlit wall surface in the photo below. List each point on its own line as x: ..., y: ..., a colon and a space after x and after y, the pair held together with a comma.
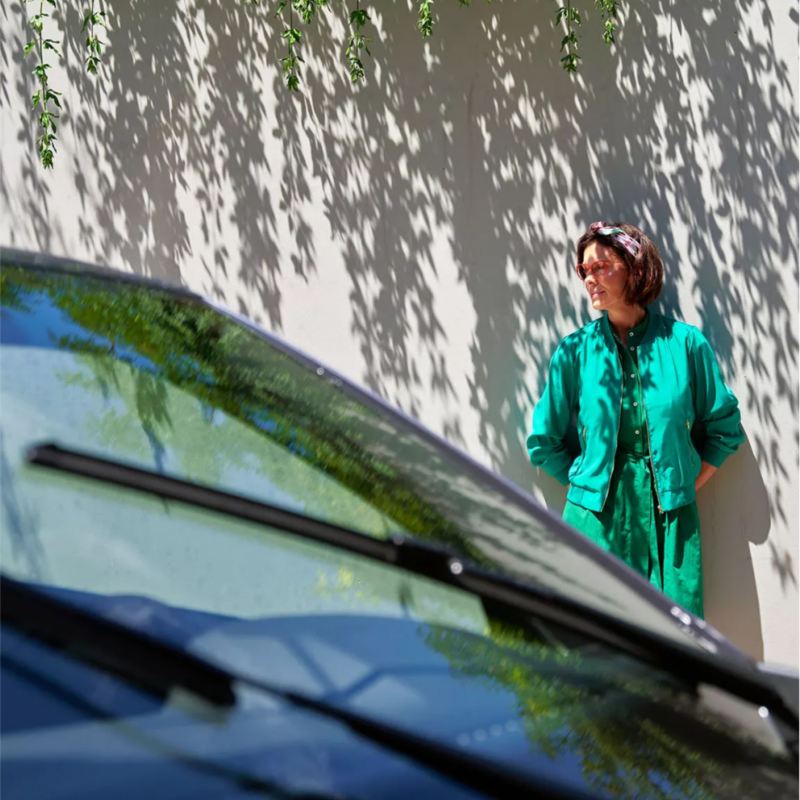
x: 415, y: 232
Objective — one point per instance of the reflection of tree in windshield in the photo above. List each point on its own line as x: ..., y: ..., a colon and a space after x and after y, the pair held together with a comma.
x: 165, y: 337
x: 635, y: 733
x: 143, y: 414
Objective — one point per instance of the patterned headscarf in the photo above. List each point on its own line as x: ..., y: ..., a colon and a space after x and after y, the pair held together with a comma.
x: 618, y: 236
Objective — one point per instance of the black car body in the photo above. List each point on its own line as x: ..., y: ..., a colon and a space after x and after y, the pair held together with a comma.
x: 228, y: 572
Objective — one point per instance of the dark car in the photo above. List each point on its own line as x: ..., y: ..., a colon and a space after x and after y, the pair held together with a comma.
x: 227, y: 572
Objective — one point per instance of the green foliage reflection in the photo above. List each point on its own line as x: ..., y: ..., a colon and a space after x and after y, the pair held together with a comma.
x: 635, y: 732
x: 165, y: 339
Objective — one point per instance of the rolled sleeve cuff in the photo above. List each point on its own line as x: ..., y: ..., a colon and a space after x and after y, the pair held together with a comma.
x: 715, y: 455
x: 556, y: 465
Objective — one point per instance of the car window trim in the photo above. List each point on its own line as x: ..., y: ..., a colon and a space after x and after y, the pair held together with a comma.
x: 505, y: 596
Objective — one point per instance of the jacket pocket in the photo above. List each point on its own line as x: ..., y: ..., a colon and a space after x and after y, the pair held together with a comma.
x: 578, y: 462
x: 694, y: 456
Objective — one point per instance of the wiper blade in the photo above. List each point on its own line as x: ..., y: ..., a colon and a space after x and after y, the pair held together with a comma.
x: 126, y: 651
x: 144, y: 660
x: 504, y: 597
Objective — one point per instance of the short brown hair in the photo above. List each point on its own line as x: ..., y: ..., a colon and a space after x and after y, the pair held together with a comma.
x: 645, y: 269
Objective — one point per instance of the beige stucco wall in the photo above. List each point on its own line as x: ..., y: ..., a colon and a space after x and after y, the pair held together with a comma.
x: 416, y: 232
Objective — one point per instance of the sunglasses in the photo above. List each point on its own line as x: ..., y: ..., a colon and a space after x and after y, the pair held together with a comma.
x: 598, y: 269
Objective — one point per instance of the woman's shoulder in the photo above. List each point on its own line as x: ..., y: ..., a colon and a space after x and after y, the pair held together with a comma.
x: 678, y: 329
x: 571, y: 349
x: 572, y: 342
x: 590, y: 329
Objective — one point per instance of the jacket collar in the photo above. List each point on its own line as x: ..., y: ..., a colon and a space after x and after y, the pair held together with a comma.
x: 654, y: 324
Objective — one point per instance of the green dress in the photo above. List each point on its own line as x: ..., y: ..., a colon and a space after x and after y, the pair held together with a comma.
x: 664, y: 547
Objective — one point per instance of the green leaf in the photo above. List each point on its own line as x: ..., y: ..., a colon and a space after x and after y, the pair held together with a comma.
x: 359, y: 17
x: 291, y: 36
x: 570, y: 62
x: 289, y: 63
x: 306, y: 9
x: 607, y: 7
x: 569, y: 39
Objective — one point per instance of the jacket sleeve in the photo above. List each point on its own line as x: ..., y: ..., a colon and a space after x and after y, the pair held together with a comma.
x: 551, y: 419
x: 716, y: 407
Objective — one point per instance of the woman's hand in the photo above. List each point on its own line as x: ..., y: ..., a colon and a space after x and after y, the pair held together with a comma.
x: 706, y: 471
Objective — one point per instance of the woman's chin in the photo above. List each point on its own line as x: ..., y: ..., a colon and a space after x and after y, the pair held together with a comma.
x: 598, y: 304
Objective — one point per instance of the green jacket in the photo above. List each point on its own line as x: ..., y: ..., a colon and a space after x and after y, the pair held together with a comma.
x: 685, y: 401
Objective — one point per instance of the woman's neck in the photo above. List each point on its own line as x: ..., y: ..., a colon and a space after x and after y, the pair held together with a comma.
x: 625, y: 318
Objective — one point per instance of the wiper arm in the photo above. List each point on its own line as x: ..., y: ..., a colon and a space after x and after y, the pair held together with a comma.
x: 157, y: 666
x: 503, y: 597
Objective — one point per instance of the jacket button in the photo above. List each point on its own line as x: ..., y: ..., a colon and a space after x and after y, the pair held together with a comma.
x: 637, y: 431
x: 635, y: 404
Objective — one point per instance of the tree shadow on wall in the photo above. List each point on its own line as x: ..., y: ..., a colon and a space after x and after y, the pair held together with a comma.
x: 479, y: 133
x: 171, y: 101
x: 721, y: 165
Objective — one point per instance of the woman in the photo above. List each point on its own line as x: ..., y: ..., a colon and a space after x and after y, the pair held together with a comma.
x: 637, y: 386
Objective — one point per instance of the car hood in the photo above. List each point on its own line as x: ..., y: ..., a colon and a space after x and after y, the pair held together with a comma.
x: 589, y: 720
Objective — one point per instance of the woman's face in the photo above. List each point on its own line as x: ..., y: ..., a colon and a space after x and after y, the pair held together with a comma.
x: 605, y: 279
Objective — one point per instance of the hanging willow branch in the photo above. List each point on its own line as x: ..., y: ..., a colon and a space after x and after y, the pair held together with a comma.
x: 93, y: 19
x: 425, y: 18
x: 45, y: 100
x: 571, y: 17
x: 609, y: 10
x: 291, y: 61
x: 356, y: 43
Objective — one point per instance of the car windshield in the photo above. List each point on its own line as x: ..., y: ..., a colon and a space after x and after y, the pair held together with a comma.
x: 162, y: 380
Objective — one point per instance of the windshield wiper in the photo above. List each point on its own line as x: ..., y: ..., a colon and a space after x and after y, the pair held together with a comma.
x: 157, y: 666
x: 503, y: 597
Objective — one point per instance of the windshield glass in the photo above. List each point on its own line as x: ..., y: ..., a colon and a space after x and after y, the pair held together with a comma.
x: 162, y: 380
